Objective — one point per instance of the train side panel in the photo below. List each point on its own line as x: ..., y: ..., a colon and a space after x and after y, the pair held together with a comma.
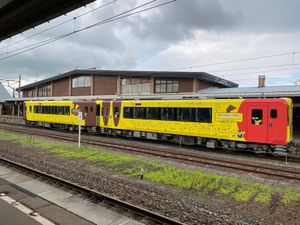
x: 252, y: 120
x: 68, y: 119
x: 266, y: 121
x: 223, y: 124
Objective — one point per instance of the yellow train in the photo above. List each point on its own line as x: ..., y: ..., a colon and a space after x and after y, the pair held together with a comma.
x: 260, y: 125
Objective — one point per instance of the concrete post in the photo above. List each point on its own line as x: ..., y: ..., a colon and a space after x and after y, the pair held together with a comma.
x: 92, y: 84
x: 70, y: 86
x: 119, y: 85
x: 195, y: 85
x: 18, y: 110
x: 152, y: 85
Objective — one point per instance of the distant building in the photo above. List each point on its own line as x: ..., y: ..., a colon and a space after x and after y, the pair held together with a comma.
x: 117, y: 82
x: 3, y: 93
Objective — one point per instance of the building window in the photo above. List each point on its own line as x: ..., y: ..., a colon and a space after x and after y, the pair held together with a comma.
x: 166, y: 86
x: 135, y: 86
x: 31, y: 93
x: 44, y: 91
x: 83, y: 81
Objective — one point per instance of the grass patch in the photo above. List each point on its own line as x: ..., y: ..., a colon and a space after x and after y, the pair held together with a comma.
x: 241, y: 190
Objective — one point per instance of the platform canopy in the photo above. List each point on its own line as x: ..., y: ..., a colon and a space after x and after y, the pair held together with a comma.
x: 17, y: 16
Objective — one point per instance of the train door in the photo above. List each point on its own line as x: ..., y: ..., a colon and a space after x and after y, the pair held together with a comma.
x: 105, y: 112
x: 278, y: 122
x: 257, y: 123
x: 98, y: 110
x: 116, y: 112
x: 88, y: 110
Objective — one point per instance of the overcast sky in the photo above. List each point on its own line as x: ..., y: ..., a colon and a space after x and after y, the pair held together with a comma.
x: 185, y: 35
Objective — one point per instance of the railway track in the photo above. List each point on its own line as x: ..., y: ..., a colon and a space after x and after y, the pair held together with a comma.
x: 144, y: 213
x: 265, y: 169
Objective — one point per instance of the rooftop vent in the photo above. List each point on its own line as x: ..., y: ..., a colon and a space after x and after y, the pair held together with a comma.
x: 261, y: 81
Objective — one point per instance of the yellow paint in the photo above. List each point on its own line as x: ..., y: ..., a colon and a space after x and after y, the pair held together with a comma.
x: 218, y: 129
x: 290, y: 121
x: 51, y: 118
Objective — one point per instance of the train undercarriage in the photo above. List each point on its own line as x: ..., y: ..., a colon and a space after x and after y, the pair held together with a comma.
x: 257, y: 148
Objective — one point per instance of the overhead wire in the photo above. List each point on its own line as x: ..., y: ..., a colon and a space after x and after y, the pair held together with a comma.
x: 252, y: 68
x: 238, y: 60
x: 59, y: 24
x: 105, y: 21
x: 270, y: 78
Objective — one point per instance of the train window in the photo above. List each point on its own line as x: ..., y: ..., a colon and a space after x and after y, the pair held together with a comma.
x: 273, y: 113
x: 98, y: 110
x: 66, y: 110
x: 46, y: 110
x: 116, y: 112
x: 30, y: 108
x: 152, y: 113
x: 179, y: 115
x: 86, y: 109
x: 59, y: 110
x: 53, y: 110
x: 204, y: 115
x: 257, y: 115
x: 139, y: 113
x: 184, y: 114
x: 167, y: 114
x: 128, y: 112
x: 91, y: 109
x: 40, y: 109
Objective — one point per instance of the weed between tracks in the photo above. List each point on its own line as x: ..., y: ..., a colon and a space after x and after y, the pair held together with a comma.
x: 202, y: 183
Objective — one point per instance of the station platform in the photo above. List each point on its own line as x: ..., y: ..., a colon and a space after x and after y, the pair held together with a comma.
x: 10, y: 215
x: 25, y: 200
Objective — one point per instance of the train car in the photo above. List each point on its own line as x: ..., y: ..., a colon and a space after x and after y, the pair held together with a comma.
x: 61, y: 114
x: 259, y: 125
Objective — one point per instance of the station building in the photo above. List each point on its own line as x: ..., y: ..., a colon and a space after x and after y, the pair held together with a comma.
x: 117, y: 82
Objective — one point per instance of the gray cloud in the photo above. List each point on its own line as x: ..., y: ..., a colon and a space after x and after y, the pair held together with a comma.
x: 178, y: 20
x: 177, y: 34
x: 265, y: 15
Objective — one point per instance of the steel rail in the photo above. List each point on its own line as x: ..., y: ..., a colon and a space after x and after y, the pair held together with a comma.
x: 92, y: 193
x: 246, y: 167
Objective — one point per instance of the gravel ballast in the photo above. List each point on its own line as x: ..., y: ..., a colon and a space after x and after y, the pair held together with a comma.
x: 182, y: 205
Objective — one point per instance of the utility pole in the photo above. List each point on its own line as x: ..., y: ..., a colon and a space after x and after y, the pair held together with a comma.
x: 19, y: 86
